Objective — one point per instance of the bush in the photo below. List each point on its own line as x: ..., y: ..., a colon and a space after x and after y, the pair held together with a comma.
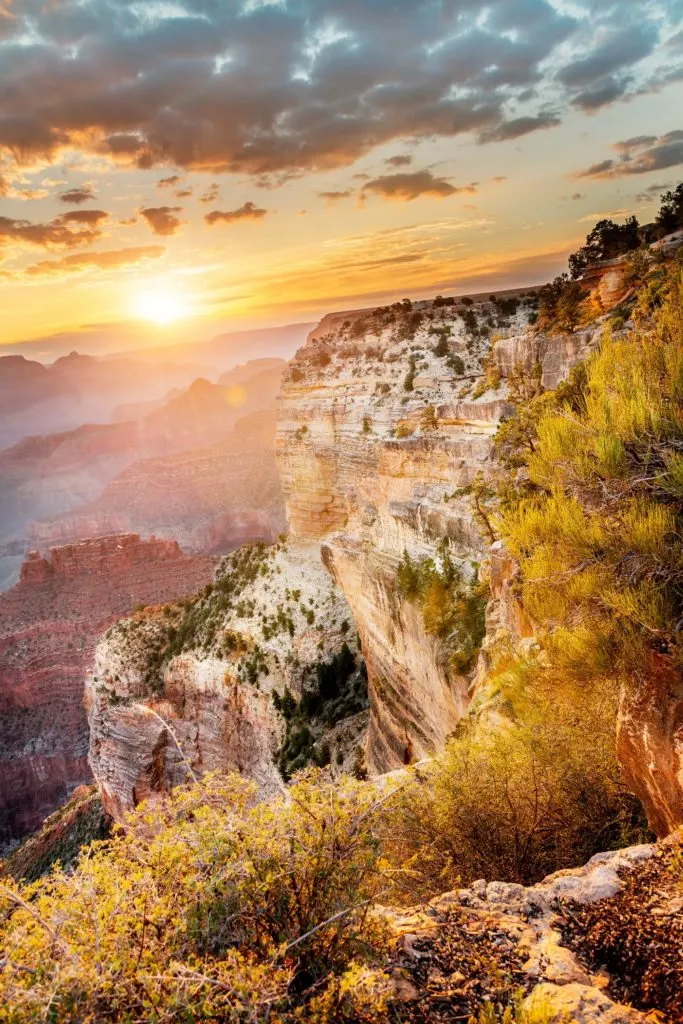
x: 519, y: 801
x: 453, y: 608
x: 408, y: 382
x: 598, y: 531
x: 209, y: 907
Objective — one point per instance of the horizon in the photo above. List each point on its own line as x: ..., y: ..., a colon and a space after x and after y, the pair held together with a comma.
x: 171, y: 172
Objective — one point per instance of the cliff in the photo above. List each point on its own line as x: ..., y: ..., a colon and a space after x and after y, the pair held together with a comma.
x: 49, y: 625
x: 385, y: 425
x: 187, y: 689
x: 209, y: 499
x: 59, y: 476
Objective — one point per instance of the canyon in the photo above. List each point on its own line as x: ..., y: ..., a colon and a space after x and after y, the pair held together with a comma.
x: 385, y: 421
x: 51, y: 485
x: 49, y: 626
x: 374, y: 469
x: 209, y: 499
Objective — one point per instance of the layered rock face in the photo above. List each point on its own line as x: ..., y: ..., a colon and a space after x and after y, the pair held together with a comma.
x: 180, y: 691
x: 60, y: 476
x: 49, y: 625
x: 385, y: 421
x: 209, y: 499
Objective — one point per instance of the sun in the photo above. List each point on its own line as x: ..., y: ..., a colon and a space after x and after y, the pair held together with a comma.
x: 160, y: 305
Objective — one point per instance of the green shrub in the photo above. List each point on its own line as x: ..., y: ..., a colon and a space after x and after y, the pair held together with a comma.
x: 516, y: 802
x: 453, y: 608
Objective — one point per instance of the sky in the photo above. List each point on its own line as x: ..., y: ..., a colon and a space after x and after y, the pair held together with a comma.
x: 179, y: 168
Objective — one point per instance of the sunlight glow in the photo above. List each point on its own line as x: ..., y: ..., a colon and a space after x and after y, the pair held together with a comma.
x: 160, y: 305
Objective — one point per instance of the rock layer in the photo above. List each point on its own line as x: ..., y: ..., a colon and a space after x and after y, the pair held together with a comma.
x: 49, y: 625
x: 385, y: 421
x: 160, y: 714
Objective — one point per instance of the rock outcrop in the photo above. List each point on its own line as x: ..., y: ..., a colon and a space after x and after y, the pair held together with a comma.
x: 385, y: 422
x: 180, y: 691
x: 49, y: 625
x: 520, y: 935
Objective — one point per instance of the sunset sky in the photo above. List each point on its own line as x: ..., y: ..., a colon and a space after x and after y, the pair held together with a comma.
x: 218, y: 164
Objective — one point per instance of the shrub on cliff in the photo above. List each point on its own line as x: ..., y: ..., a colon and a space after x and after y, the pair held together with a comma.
x: 453, y: 607
x: 518, y: 801
x: 209, y: 907
x: 598, y: 529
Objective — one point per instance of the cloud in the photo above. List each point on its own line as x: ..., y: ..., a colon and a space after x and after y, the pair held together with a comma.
x: 639, y: 155
x: 652, y: 193
x: 76, y: 196
x: 621, y: 47
x: 410, y: 185
x: 400, y: 160
x: 170, y: 182
x: 602, y: 94
x: 637, y: 142
x: 183, y: 193
x: 163, y: 219
x: 80, y: 262
x: 211, y: 194
x: 333, y: 197
x: 278, y: 89
x: 78, y: 227
x: 519, y: 126
x: 248, y: 211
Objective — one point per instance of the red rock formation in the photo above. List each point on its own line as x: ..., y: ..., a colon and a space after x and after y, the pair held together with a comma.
x: 209, y: 499
x: 49, y: 625
x: 650, y: 743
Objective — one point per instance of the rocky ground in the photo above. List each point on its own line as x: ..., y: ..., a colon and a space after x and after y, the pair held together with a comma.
x: 602, y: 942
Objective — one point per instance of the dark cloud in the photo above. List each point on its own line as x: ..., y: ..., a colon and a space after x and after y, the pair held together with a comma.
x: 604, y: 92
x: 622, y: 47
x: 519, y: 126
x: 211, y: 194
x: 639, y: 156
x: 410, y: 185
x: 78, y: 262
x: 76, y: 196
x: 248, y: 211
x: 267, y: 89
x: 332, y: 197
x: 400, y: 160
x: 78, y: 227
x: 652, y: 192
x: 183, y: 193
x: 170, y: 182
x: 163, y: 220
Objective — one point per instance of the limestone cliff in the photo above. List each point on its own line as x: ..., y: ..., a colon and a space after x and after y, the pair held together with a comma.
x: 49, y: 625
x: 186, y: 689
x: 385, y: 421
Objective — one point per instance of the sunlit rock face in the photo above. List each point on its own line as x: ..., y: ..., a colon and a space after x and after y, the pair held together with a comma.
x: 385, y: 420
x: 363, y: 472
x: 650, y: 743
x: 49, y: 626
x: 160, y: 715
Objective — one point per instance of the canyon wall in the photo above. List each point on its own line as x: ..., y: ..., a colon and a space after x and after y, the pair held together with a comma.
x: 188, y: 689
x: 49, y: 625
x: 208, y: 499
x: 385, y: 422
